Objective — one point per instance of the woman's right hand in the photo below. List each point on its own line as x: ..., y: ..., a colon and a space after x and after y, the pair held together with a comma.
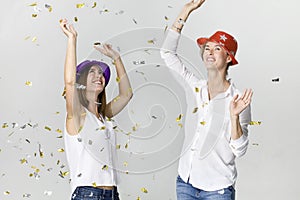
x: 193, y: 5
x: 68, y: 30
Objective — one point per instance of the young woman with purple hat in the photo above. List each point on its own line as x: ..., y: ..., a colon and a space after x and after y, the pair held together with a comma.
x: 217, y: 118
x: 89, y: 135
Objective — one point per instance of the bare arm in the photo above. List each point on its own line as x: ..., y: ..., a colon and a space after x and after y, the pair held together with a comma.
x: 125, y: 91
x: 70, y: 76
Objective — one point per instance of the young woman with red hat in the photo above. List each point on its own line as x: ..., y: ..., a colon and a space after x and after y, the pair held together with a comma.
x: 217, y: 118
x: 89, y: 135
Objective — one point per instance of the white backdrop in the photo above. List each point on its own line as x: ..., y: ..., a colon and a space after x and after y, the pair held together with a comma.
x: 32, y: 50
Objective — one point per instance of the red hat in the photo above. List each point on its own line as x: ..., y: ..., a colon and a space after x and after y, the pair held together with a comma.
x: 224, y: 39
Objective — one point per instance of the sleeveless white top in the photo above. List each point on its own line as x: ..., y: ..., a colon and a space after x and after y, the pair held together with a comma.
x: 91, y: 154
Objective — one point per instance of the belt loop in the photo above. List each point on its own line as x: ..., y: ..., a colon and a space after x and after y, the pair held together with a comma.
x: 113, y: 193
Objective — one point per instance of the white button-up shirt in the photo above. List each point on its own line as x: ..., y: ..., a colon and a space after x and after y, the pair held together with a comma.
x: 208, y: 153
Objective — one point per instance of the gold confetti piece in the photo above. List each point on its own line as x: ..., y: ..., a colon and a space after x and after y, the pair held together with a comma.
x: 34, y: 39
x: 4, y: 125
x: 126, y: 145
x: 80, y: 5
x: 204, y: 104
x: 23, y: 160
x: 166, y: 18
x: 197, y: 89
x: 151, y: 41
x: 97, y: 43
x: 105, y: 167
x: 118, y: 146
x: 203, y: 123
x: 95, y: 4
x: 118, y: 79
x: 63, y: 174
x: 80, y: 128
x: 26, y: 195
x: 34, y: 15
x: 27, y: 37
x: 126, y: 172
x: 255, y: 122
x: 75, y: 19
x: 94, y: 184
x: 58, y: 161
x: 57, y: 112
x: 64, y: 92
x: 58, y: 130
x: 138, y: 198
x: 180, y: 125
x: 179, y: 118
x: 117, y: 98
x: 6, y: 192
x: 37, y: 170
x: 195, y: 110
x: 28, y: 83
x: 79, y: 175
x: 166, y: 28
x: 49, y: 7
x: 28, y: 141
x: 33, y: 4
x: 59, y: 137
x: 125, y: 164
x: 61, y: 150
x: 134, y: 21
x: 102, y: 128
x: 47, y: 128
x: 256, y: 144
x: 144, y: 190
x: 43, y: 165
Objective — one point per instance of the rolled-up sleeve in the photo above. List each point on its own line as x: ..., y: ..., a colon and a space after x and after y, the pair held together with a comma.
x: 240, y: 145
x: 168, y: 53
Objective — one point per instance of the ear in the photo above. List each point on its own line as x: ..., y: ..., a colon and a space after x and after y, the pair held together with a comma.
x: 228, y: 59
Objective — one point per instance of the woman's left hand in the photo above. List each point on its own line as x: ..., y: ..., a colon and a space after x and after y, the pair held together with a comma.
x: 237, y: 104
x: 108, y: 51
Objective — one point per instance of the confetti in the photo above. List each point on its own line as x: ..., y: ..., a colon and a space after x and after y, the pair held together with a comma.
x: 144, y: 190
x: 90, y: 142
x: 166, y: 18
x: 151, y: 41
x: 49, y: 7
x: 195, y: 110
x: 118, y: 146
x: 61, y: 150
x: 34, y: 39
x: 80, y: 5
x: 26, y: 195
x: 23, y: 160
x: 118, y: 79
x: 134, y: 21
x: 97, y: 43
x: 64, y: 92
x: 79, y: 175
x: 139, y: 62
x: 47, y: 193
x: 47, y: 128
x: 79, y: 139
x: 27, y: 37
x: 154, y: 117
x: 63, y: 174
x: 105, y: 167
x: 179, y: 117
x: 59, y: 137
x: 138, y: 198
x: 117, y: 98
x: 33, y: 4
x: 6, y: 192
x: 94, y: 184
x: 40, y: 151
x: 126, y: 145
x: 197, y: 89
x: 204, y: 104
x: 203, y: 123
x: 4, y: 125
x: 34, y: 15
x: 80, y: 128
x: 58, y: 131
x: 256, y: 144
x: 28, y: 83
x: 255, y: 122
x: 75, y: 19
x: 275, y: 80
x: 166, y: 28
x: 28, y: 141
x: 125, y: 164
x: 95, y: 4
x: 180, y: 125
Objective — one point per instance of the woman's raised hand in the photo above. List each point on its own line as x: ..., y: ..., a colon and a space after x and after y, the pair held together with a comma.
x: 193, y: 5
x: 107, y: 50
x: 68, y: 30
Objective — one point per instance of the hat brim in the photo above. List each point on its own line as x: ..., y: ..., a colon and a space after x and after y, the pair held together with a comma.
x: 203, y: 41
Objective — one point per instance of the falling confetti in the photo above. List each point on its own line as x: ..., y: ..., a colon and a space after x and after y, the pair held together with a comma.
x: 256, y: 144
x: 118, y: 146
x: 134, y: 21
x: 34, y: 15
x: 41, y: 151
x: 144, y: 190
x: 151, y: 41
x: 75, y: 19
x: 105, y: 167
x: 97, y: 43
x: 255, y: 122
x: 6, y: 192
x: 34, y: 39
x: 126, y: 145
x: 197, y: 89
x: 275, y: 80
x: 95, y: 4
x: 61, y: 150
x: 47, y: 128
x: 63, y: 174
x: 28, y: 83
x: 58, y: 131
x: 179, y: 118
x: 125, y: 163
x: 49, y: 7
x: 94, y: 184
x: 117, y: 98
x: 204, y: 104
x: 203, y: 123
x: 33, y: 4
x: 118, y: 79
x: 154, y: 117
x: 180, y: 125
x: 47, y: 193
x: 4, y: 125
x: 23, y: 160
x: 138, y: 198
x: 139, y: 62
x: 80, y: 5
x: 26, y: 195
x: 195, y: 110
x: 166, y: 18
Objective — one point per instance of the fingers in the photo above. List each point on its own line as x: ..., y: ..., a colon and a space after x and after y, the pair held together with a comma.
x: 247, y: 96
x: 235, y: 98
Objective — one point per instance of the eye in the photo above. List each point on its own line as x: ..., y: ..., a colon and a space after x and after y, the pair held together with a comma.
x: 218, y: 48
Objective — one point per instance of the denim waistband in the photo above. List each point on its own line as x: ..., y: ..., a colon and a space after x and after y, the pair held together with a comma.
x: 90, y: 191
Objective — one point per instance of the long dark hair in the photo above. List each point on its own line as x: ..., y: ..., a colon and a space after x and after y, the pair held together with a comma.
x: 101, y: 100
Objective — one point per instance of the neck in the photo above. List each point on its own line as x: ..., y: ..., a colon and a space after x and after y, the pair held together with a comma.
x: 92, y: 107
x: 216, y: 83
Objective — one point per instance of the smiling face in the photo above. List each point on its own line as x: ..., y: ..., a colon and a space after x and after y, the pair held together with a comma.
x: 215, y: 56
x: 95, y: 80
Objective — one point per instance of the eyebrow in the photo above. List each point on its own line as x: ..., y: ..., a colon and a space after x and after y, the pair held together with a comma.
x: 217, y: 45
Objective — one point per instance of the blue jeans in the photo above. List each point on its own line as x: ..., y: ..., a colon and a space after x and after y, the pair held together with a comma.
x: 93, y: 193
x: 185, y: 191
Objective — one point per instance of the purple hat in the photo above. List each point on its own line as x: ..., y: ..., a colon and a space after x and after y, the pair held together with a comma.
x: 87, y: 63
